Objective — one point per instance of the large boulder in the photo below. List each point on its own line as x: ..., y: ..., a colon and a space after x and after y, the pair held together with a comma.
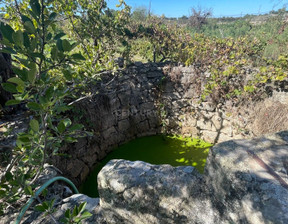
x: 245, y: 181
x: 248, y: 179
x: 138, y: 192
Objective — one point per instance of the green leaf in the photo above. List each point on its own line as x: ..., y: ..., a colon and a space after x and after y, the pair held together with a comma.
x: 82, y: 207
x: 18, y: 38
x: 20, y: 89
x: 67, y: 122
x: 59, y: 45
x: 26, y: 40
x: 24, y: 139
x: 12, y: 102
x: 76, y: 219
x: 67, y: 74
x: 42, y: 100
x: 86, y: 215
x: 28, y: 190
x: 33, y: 44
x: 59, y: 35
x: 9, y: 87
x: 67, y: 213
x: 35, y: 6
x: 49, y: 93
x: 25, y: 19
x: 76, y: 127
x: 70, y: 139
x: 49, y: 36
x: 38, y: 55
x: 32, y: 72
x: 17, y: 81
x: 40, y: 208
x: 22, y: 73
x: 52, y: 16
x: 29, y: 27
x: 8, y: 176
x: 77, y: 57
x: 54, y: 53
x: 8, y: 50
x: 66, y: 45
x: 36, y: 17
x: 6, y: 31
x: 61, y: 127
x: 34, y: 124
x: 75, y: 211
x: 62, y: 108
x: 34, y: 106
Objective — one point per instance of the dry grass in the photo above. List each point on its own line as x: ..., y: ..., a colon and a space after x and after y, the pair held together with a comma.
x: 270, y: 117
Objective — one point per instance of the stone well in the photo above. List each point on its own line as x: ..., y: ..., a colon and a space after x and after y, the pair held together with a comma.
x: 149, y: 99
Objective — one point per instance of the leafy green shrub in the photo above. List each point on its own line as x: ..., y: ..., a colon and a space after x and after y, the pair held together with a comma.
x: 43, y: 59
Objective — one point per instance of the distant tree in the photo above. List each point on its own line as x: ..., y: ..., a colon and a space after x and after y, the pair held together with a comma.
x: 199, y: 17
x: 281, y: 11
x: 140, y: 13
x: 184, y: 18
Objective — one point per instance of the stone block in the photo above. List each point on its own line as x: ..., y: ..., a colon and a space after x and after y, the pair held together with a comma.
x: 123, y: 125
x: 188, y: 120
x: 74, y: 167
x: 189, y: 131
x: 107, y: 134
x: 147, y: 106
x: 142, y: 126
x: 153, y: 120
x: 107, y: 121
x: 210, y: 136
x: 84, y: 173
x: 90, y: 159
x: 204, y: 124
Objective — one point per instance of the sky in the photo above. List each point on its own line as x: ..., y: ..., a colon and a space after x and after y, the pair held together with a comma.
x: 178, y: 8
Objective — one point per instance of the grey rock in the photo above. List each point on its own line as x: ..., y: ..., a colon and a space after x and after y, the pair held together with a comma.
x: 138, y: 192
x: 245, y: 190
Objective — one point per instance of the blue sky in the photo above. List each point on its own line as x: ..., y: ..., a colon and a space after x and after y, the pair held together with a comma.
x: 177, y: 8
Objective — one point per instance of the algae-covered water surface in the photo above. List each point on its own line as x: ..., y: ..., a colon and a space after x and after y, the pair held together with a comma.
x: 173, y: 150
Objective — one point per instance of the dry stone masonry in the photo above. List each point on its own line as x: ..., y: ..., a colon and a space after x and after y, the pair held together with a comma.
x: 149, y: 99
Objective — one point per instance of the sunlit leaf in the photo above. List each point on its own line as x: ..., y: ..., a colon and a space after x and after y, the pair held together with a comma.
x: 16, y: 80
x: 86, y: 215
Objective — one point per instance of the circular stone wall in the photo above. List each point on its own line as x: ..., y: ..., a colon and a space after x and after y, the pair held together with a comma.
x: 149, y: 99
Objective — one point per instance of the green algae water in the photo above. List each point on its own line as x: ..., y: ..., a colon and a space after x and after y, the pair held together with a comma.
x: 173, y: 150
